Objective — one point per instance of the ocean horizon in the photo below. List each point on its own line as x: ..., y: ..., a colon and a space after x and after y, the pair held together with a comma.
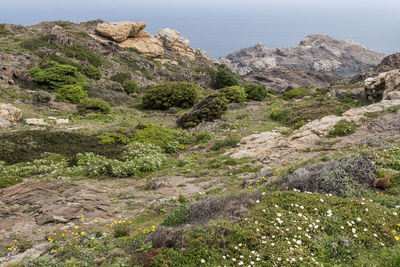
x: 222, y: 30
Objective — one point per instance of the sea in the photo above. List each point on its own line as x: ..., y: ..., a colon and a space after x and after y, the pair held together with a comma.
x: 221, y: 27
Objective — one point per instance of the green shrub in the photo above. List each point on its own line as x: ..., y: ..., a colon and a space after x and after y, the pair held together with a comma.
x: 281, y: 115
x: 4, y: 31
x: 171, y: 94
x: 71, y: 94
x: 233, y: 94
x: 209, y: 109
x: 256, y: 92
x: 121, y: 230
x: 223, y: 78
x: 296, y: 93
x: 228, y: 142
x: 120, y: 77
x: 8, y: 181
x: 130, y: 86
x: 22, y: 146
x: 83, y: 53
x: 88, y: 105
x: 56, y: 76
x: 343, y: 128
x: 178, y: 216
x: 92, y: 72
x: 202, y: 138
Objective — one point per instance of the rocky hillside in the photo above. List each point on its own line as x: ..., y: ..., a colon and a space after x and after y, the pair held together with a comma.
x: 119, y: 148
x: 315, y: 53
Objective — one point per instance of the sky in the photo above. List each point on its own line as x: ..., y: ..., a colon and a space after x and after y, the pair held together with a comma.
x: 223, y: 26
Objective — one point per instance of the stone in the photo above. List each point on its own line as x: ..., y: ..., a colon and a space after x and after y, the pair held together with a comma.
x: 172, y: 39
x: 146, y: 44
x: 36, y: 122
x: 385, y: 86
x: 9, y: 113
x: 119, y: 31
x: 62, y: 121
x: 4, y: 123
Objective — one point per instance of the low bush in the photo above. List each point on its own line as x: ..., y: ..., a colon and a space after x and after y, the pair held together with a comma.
x: 23, y: 146
x: 120, y: 77
x: 228, y: 142
x: 4, y: 31
x: 71, y: 94
x: 296, y: 93
x: 233, y: 94
x: 92, y: 72
x: 256, y: 92
x: 55, y: 76
x: 202, y: 138
x: 343, y: 128
x: 343, y: 177
x: 130, y: 86
x: 172, y: 94
x: 281, y: 115
x: 83, y: 53
x: 41, y: 97
x: 96, y: 105
x: 224, y: 78
x: 110, y: 96
x: 8, y: 181
x: 209, y: 109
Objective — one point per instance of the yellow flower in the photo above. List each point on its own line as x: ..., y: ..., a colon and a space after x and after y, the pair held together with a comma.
x: 39, y: 230
x: 82, y: 233
x: 393, y: 231
x: 397, y: 238
x: 17, y: 233
x: 76, y: 227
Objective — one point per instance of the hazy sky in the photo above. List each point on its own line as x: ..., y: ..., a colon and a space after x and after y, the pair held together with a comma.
x: 222, y: 26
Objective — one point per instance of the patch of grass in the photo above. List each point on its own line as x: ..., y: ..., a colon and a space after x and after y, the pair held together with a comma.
x: 296, y: 93
x: 9, y: 181
x: 4, y: 31
x: 343, y: 128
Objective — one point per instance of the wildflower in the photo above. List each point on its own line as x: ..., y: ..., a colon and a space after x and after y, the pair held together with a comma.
x: 203, y: 261
x: 397, y: 238
x: 359, y: 219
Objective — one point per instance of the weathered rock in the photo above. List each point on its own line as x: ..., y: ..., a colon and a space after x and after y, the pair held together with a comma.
x: 9, y: 114
x: 390, y: 62
x: 36, y: 122
x: 274, y: 145
x: 315, y: 52
x: 62, y: 121
x: 146, y: 44
x: 171, y: 38
x: 119, y: 31
x: 385, y: 86
x: 4, y: 123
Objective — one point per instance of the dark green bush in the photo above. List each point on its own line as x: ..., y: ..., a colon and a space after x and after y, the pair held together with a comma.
x: 296, y: 93
x: 343, y: 128
x: 179, y: 215
x: 209, y: 109
x: 71, y: 94
x: 88, y: 105
x: 130, y: 86
x: 233, y: 94
x: 223, y: 78
x: 56, y: 76
x: 171, y: 94
x: 256, y: 92
x: 83, y: 53
x: 120, y: 77
x: 202, y: 138
x: 92, y: 72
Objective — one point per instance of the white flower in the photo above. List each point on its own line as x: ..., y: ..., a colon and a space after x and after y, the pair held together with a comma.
x: 272, y: 244
x: 321, y: 200
x: 224, y: 257
x: 353, y: 230
x: 240, y: 263
x: 375, y: 235
x: 359, y: 219
x: 395, y: 213
x: 279, y: 215
x: 203, y: 261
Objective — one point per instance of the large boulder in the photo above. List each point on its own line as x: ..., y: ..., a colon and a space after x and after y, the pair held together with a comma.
x: 119, y: 31
x: 9, y: 114
x: 172, y: 39
x: 385, y: 86
x: 146, y: 44
x: 390, y: 62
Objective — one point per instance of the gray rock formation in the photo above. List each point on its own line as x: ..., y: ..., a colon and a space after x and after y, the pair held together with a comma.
x: 315, y: 52
x: 385, y: 86
x: 390, y: 62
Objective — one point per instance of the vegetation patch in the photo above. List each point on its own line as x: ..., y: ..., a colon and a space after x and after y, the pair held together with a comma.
x: 256, y: 92
x: 172, y: 94
x: 296, y: 93
x: 93, y: 105
x: 71, y: 94
x: 233, y: 94
x: 343, y: 128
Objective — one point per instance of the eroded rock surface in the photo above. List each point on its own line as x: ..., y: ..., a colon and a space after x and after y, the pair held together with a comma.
x: 9, y: 114
x: 119, y: 31
x: 384, y: 86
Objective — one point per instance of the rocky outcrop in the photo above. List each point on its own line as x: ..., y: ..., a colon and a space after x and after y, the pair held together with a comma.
x: 148, y: 45
x: 172, y: 39
x: 9, y: 114
x: 119, y: 31
x: 131, y: 35
x: 390, y: 62
x: 319, y: 53
x: 384, y: 86
x: 274, y: 145
x: 280, y: 78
